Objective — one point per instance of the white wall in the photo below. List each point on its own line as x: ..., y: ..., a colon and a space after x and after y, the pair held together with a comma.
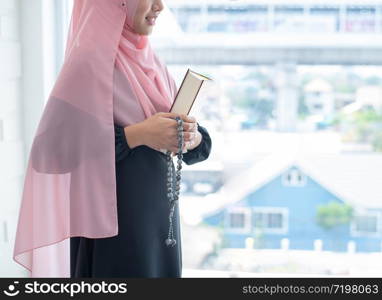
x: 31, y: 34
x: 12, y: 155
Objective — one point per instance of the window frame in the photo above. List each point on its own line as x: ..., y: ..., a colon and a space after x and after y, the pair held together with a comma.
x: 247, y: 219
x: 284, y: 211
x: 353, y: 226
x: 285, y: 181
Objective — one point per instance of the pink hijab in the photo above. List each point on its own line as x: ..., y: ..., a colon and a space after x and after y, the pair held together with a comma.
x: 70, y: 184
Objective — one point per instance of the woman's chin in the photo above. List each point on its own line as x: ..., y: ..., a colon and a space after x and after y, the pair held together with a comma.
x: 149, y: 30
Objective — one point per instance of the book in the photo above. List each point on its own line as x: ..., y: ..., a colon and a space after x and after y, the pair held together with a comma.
x: 187, y: 93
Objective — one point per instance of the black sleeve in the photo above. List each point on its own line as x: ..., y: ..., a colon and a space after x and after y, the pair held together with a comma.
x: 122, y: 148
x: 202, y: 151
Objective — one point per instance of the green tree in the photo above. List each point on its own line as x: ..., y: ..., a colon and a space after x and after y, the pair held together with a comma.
x: 377, y: 141
x: 333, y: 214
x: 332, y: 217
x: 368, y: 126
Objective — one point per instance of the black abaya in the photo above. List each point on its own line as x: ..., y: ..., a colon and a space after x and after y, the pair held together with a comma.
x: 139, y: 249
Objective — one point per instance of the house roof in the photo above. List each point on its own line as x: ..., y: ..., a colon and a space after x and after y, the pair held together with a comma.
x: 354, y: 178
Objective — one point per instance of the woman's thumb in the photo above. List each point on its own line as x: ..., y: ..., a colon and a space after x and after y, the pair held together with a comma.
x: 169, y: 115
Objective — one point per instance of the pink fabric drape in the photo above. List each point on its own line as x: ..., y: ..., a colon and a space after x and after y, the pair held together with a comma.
x: 70, y: 184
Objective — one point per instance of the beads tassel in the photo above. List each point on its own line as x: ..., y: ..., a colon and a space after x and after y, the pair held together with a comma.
x: 173, y: 192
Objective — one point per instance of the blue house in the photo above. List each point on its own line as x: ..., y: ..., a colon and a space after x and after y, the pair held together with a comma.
x: 274, y: 204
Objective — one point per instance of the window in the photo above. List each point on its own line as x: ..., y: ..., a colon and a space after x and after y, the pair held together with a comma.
x: 270, y: 219
x: 238, y: 220
x: 294, y: 177
x: 366, y: 224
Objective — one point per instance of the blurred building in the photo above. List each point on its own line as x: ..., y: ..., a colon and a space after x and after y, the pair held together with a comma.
x: 318, y: 16
x: 319, y: 97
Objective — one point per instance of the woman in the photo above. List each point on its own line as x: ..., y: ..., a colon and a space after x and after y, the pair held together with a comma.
x: 95, y: 201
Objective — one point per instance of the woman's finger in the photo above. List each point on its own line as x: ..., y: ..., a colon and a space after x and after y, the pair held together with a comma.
x: 187, y: 118
x: 188, y: 135
x: 189, y: 126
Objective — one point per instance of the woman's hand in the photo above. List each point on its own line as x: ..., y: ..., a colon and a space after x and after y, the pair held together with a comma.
x: 160, y: 132
x: 190, y: 129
